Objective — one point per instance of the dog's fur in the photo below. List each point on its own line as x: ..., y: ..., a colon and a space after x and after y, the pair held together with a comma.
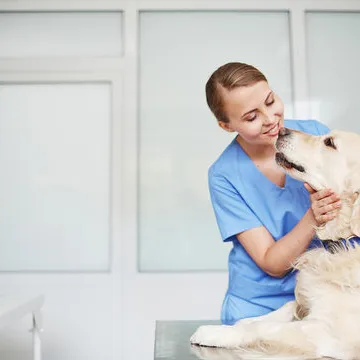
x: 324, y: 320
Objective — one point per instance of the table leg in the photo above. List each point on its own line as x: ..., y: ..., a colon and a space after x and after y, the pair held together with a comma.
x: 36, y: 336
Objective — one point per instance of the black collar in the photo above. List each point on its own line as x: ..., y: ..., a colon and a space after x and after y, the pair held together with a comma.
x: 341, y: 244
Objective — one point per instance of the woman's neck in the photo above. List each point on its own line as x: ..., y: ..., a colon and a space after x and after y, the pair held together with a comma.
x: 256, y: 151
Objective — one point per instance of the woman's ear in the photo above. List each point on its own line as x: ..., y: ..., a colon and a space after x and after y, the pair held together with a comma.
x: 225, y: 126
x: 355, y: 215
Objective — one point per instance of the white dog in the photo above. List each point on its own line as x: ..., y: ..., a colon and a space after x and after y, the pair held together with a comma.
x: 324, y: 320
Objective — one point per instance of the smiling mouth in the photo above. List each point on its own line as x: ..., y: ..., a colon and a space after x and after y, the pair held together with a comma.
x: 284, y: 162
x: 273, y: 130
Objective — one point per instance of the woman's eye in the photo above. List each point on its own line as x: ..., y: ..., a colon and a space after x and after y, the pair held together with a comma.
x: 270, y: 102
x: 252, y: 118
x: 329, y: 141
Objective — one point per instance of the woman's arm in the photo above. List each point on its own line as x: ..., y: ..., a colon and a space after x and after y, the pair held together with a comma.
x: 277, y: 257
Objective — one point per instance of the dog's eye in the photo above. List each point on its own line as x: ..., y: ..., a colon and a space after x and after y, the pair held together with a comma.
x: 330, y: 142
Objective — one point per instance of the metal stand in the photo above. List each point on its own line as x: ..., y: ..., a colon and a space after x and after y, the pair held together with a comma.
x: 36, y: 330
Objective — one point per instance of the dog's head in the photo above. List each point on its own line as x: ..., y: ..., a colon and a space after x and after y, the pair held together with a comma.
x: 327, y: 161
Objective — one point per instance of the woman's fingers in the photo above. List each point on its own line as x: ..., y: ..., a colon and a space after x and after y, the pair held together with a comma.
x: 325, y: 205
x: 328, y: 200
x: 321, y: 194
x: 330, y: 207
x: 322, y: 219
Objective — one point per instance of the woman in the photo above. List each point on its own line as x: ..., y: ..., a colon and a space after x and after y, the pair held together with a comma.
x: 268, y: 216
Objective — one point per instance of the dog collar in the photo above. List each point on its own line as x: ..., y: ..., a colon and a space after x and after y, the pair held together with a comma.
x: 342, y: 244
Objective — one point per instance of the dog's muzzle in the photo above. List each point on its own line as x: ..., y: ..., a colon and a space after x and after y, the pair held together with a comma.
x: 284, y: 162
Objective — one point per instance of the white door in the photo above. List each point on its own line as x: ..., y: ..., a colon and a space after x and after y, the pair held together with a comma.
x: 60, y: 211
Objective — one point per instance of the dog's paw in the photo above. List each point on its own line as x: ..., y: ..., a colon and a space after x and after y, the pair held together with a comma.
x: 217, y: 336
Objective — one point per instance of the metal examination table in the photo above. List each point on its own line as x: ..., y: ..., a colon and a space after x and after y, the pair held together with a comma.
x: 172, y: 343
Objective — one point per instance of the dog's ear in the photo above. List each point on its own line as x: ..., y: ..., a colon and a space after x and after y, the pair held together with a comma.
x: 355, y: 215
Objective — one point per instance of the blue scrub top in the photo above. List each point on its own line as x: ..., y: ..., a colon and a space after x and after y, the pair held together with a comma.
x: 244, y: 198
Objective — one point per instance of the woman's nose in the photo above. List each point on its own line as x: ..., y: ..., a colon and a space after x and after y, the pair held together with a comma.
x: 270, y: 119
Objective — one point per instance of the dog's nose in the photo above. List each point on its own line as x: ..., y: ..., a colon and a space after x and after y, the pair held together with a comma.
x: 284, y: 131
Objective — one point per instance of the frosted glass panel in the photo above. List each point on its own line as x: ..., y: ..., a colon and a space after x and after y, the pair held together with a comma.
x: 333, y: 61
x: 180, y: 138
x: 54, y: 183
x: 60, y: 34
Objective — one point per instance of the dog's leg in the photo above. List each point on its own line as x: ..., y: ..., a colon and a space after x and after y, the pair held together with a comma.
x: 228, y: 336
x: 283, y: 314
x: 310, y: 338
x: 299, y: 338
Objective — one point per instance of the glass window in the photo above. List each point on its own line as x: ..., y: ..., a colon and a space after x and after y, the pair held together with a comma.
x: 333, y: 50
x: 60, y: 34
x: 54, y: 183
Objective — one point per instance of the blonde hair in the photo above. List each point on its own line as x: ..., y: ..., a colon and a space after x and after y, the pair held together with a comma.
x: 229, y: 76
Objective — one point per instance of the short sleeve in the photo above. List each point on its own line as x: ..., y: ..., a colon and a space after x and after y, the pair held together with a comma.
x: 232, y: 214
x: 321, y: 128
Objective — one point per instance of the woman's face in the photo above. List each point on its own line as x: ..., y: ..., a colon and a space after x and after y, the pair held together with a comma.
x: 255, y: 112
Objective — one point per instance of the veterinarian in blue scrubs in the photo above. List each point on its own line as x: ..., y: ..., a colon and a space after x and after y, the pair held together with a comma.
x: 268, y: 216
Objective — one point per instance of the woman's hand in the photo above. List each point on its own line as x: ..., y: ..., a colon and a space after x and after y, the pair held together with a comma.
x: 325, y: 204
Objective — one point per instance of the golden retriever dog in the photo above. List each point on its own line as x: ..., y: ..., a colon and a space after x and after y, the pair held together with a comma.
x: 324, y: 319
